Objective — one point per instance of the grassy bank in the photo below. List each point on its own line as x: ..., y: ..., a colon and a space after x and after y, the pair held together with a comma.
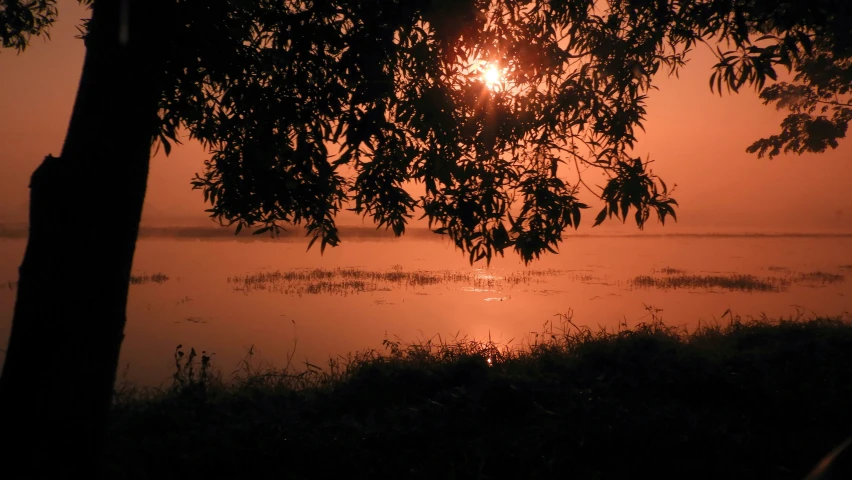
x: 757, y: 400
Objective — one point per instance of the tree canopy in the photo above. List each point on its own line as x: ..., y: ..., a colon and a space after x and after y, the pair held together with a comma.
x: 310, y: 106
x: 21, y: 19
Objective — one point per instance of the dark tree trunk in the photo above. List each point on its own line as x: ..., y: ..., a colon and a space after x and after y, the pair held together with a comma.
x: 85, y: 206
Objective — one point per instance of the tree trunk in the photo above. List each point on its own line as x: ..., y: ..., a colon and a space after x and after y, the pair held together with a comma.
x: 85, y: 207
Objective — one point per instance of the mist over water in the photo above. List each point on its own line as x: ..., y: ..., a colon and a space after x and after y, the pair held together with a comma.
x: 224, y: 295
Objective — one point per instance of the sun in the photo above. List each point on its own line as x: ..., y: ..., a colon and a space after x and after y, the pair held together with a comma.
x: 491, y: 76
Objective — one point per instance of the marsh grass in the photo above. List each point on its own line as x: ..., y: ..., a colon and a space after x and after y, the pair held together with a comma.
x: 348, y: 281
x: 143, y: 279
x: 678, y: 279
x: 745, y: 283
x: 736, y: 399
x: 818, y: 278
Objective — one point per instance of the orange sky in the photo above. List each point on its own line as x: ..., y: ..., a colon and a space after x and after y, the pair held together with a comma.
x: 698, y: 140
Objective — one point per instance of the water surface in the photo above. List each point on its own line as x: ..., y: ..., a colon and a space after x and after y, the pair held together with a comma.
x: 223, y: 295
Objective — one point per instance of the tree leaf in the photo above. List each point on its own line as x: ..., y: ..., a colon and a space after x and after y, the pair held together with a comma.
x: 600, y: 218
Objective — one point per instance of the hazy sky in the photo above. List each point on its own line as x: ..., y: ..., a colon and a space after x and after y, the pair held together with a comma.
x: 697, y: 139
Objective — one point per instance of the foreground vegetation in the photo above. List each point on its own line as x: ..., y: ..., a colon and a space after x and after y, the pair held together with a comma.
x: 754, y: 399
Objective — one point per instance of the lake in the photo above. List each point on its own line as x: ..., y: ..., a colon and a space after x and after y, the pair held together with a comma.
x: 224, y: 296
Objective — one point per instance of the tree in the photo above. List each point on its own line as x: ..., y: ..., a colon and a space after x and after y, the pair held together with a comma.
x: 811, y: 39
x: 268, y: 86
x: 85, y: 208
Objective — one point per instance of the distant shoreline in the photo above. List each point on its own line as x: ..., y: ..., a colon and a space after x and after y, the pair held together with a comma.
x: 19, y: 231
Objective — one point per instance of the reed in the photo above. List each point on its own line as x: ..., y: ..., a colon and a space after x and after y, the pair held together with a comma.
x: 735, y: 399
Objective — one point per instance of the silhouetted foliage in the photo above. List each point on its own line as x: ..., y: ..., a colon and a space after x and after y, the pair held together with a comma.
x: 810, y: 39
x: 648, y: 401
x: 307, y: 106
x: 21, y: 19
x: 399, y: 86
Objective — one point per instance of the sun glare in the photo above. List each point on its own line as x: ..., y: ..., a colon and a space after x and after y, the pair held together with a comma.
x: 491, y: 76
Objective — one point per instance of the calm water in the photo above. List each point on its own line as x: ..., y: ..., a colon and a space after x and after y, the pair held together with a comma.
x: 224, y: 296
